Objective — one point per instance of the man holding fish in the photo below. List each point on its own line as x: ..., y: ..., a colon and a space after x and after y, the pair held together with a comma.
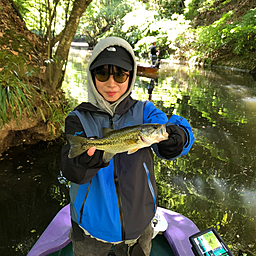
x: 109, y: 158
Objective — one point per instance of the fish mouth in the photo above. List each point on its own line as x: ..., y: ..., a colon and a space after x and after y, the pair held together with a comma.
x: 162, y: 129
x: 163, y: 132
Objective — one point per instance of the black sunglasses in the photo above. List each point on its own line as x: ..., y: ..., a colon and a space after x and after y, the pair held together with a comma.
x: 103, y: 74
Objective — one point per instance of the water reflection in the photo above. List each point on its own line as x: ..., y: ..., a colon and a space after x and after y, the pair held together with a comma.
x: 151, y: 85
x: 213, y: 186
x: 76, y: 77
x: 30, y: 194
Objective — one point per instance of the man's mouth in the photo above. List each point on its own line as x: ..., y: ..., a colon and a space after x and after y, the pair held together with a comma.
x: 111, y: 93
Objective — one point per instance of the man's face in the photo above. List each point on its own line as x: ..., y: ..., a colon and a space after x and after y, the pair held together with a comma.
x: 111, y: 90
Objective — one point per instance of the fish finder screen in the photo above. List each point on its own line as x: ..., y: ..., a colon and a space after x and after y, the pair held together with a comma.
x: 209, y: 245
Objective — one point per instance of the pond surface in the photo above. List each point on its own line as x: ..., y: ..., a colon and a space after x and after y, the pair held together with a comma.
x: 214, y: 185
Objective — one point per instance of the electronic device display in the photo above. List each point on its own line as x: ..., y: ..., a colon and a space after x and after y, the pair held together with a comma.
x: 209, y: 243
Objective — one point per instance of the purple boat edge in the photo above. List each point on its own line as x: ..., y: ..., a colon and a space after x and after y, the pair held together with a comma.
x: 55, y: 237
x: 179, y: 229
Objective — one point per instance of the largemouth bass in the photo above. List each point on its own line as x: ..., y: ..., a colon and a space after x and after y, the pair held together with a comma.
x: 129, y: 139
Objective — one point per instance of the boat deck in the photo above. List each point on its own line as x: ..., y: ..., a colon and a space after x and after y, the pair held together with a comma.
x: 160, y: 247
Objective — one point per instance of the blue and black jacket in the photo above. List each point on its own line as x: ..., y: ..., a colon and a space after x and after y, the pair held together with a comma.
x: 116, y: 202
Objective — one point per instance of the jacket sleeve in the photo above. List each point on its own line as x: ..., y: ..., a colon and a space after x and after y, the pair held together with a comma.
x: 181, y: 137
x: 83, y: 168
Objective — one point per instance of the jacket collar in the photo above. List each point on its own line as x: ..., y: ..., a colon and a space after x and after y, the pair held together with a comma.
x: 122, y: 108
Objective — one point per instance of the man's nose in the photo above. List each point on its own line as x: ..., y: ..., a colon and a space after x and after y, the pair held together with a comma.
x: 111, y: 81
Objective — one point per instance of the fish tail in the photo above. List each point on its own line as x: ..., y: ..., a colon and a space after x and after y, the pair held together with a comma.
x: 78, y: 145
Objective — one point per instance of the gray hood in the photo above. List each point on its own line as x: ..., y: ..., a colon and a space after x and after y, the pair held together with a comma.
x: 93, y: 95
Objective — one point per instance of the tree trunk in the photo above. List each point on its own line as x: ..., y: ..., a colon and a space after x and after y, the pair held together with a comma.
x: 56, y: 68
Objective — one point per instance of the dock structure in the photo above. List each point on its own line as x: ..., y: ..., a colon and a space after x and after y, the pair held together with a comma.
x: 79, y: 44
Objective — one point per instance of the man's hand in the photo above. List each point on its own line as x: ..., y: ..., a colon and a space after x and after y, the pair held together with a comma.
x: 93, y: 158
x: 91, y: 151
x: 174, y: 145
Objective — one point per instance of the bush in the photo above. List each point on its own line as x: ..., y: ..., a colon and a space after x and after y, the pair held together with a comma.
x: 236, y: 37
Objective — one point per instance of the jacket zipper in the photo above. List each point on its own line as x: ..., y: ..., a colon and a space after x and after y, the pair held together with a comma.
x: 120, y: 206
x: 82, y: 207
x: 119, y: 200
x: 150, y: 186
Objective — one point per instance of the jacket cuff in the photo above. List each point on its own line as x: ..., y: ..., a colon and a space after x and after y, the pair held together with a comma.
x: 183, y: 123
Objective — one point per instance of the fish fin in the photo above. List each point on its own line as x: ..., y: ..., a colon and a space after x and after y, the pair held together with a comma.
x: 131, y: 151
x: 77, y: 145
x: 107, y: 156
x: 106, y: 131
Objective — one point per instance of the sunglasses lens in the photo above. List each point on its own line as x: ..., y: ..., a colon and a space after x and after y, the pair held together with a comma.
x: 102, y: 76
x: 120, y: 77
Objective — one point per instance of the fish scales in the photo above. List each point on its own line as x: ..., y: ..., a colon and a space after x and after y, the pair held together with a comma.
x: 117, y: 141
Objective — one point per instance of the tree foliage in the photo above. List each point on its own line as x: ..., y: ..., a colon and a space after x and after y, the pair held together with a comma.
x: 165, y: 33
x: 102, y: 18
x: 56, y: 22
x: 225, y: 36
x: 238, y: 36
x: 43, y: 15
x: 137, y: 24
x: 167, y: 8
